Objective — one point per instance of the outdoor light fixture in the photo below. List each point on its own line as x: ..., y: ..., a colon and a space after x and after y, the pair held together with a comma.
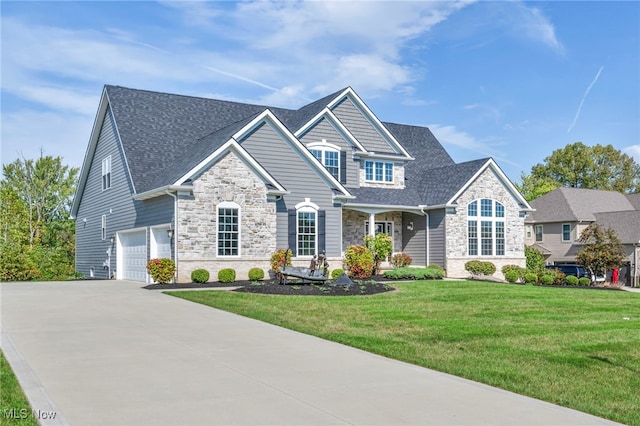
x: 112, y: 239
x: 170, y: 234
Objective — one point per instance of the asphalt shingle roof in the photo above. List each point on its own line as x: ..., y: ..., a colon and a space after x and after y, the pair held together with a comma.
x: 576, y: 204
x: 626, y: 224
x: 165, y: 135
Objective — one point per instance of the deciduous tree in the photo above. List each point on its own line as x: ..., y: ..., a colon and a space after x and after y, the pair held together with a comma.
x: 580, y: 166
x: 602, y: 250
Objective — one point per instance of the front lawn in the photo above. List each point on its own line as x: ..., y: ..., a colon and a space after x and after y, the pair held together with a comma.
x: 573, y: 347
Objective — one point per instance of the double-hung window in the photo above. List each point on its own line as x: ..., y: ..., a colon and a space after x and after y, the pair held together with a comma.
x: 566, y: 232
x: 485, y: 228
x: 228, y: 229
x: 538, y: 230
x: 106, y: 173
x: 104, y: 227
x: 378, y: 171
x: 307, y: 231
x: 330, y: 159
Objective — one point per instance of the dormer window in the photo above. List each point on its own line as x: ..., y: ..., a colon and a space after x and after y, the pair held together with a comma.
x: 378, y: 171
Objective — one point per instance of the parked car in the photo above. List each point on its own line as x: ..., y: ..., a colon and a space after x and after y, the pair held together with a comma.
x: 569, y: 269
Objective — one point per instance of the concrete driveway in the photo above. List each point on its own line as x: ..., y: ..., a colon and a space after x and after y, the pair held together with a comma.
x: 111, y: 353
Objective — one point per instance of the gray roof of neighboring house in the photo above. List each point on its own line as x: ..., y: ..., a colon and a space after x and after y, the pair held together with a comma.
x: 576, y: 204
x: 626, y: 224
x: 634, y: 199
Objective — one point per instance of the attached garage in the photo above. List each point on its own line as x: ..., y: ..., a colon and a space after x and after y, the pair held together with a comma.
x: 132, y: 256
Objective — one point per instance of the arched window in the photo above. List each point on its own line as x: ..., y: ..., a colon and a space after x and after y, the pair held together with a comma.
x: 328, y: 154
x: 485, y: 228
x: 306, y: 228
x: 228, y: 229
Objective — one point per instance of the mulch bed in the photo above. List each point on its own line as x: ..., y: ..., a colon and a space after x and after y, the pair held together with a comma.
x: 293, y: 287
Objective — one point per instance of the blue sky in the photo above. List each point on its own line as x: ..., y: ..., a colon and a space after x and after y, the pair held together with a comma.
x: 508, y: 80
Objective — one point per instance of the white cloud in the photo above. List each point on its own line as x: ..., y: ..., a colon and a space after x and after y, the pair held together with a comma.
x: 633, y: 151
x: 586, y: 92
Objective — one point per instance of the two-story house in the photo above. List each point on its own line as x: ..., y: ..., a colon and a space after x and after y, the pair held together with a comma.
x: 561, y: 215
x: 217, y: 184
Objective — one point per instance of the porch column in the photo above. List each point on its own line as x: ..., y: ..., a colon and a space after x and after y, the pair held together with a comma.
x: 372, y: 224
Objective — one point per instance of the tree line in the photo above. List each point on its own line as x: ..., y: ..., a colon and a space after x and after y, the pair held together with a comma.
x: 37, y: 235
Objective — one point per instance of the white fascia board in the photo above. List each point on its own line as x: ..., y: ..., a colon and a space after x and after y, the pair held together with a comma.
x: 381, y: 156
x: 502, y: 177
x: 233, y: 146
x: 349, y: 92
x: 382, y: 208
x: 268, y: 117
x: 161, y: 191
x: 330, y: 116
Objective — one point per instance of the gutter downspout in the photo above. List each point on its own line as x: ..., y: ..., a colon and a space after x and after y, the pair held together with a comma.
x: 175, y: 232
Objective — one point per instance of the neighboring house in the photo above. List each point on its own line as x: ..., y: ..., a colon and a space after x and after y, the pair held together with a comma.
x: 561, y: 215
x: 216, y: 184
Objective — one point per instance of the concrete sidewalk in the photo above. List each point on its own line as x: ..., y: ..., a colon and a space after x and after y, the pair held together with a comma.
x: 111, y: 353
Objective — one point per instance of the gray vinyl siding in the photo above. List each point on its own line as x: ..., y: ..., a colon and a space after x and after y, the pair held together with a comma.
x: 295, y: 172
x: 414, y: 242
x: 360, y: 127
x: 325, y: 130
x: 437, y: 237
x: 121, y: 211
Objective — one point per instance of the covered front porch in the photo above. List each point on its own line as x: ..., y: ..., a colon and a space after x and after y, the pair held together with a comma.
x: 407, y: 226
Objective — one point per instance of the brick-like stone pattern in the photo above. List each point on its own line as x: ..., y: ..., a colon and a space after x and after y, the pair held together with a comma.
x: 228, y: 180
x: 398, y: 178
x: 353, y: 227
x: 487, y: 185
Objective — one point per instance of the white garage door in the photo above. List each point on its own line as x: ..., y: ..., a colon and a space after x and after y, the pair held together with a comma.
x: 132, y: 261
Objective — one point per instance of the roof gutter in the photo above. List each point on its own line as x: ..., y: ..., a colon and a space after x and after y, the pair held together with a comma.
x: 163, y: 190
x: 396, y: 157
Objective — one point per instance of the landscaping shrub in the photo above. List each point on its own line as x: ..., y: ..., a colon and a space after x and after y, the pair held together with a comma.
x: 530, y: 278
x: 227, y: 275
x: 336, y: 273
x: 435, y: 266
x: 571, y: 280
x: 478, y: 267
x: 400, y: 260
x: 535, y: 260
x: 279, y: 257
x: 584, y: 281
x: 414, y: 273
x: 256, y: 274
x: 511, y: 276
x: 558, y: 276
x: 200, y: 276
x: 358, y: 260
x: 161, y: 270
x: 520, y: 271
x: 547, y: 279
x: 381, y: 245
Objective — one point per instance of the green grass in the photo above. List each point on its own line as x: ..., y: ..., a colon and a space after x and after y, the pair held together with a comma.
x: 571, y: 347
x: 14, y: 407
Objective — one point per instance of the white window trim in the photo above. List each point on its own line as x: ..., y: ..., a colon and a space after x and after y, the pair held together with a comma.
x: 229, y: 205
x: 106, y: 170
x: 306, y: 207
x: 383, y: 163
x: 478, y: 218
x: 325, y: 147
x: 562, y: 233
x: 104, y: 227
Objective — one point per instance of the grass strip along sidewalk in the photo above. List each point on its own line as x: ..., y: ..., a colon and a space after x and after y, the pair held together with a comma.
x: 576, y: 348
x: 14, y: 407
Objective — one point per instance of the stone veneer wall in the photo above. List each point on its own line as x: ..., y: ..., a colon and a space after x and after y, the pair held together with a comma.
x: 398, y: 177
x: 353, y: 227
x: 228, y: 180
x: 487, y: 185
